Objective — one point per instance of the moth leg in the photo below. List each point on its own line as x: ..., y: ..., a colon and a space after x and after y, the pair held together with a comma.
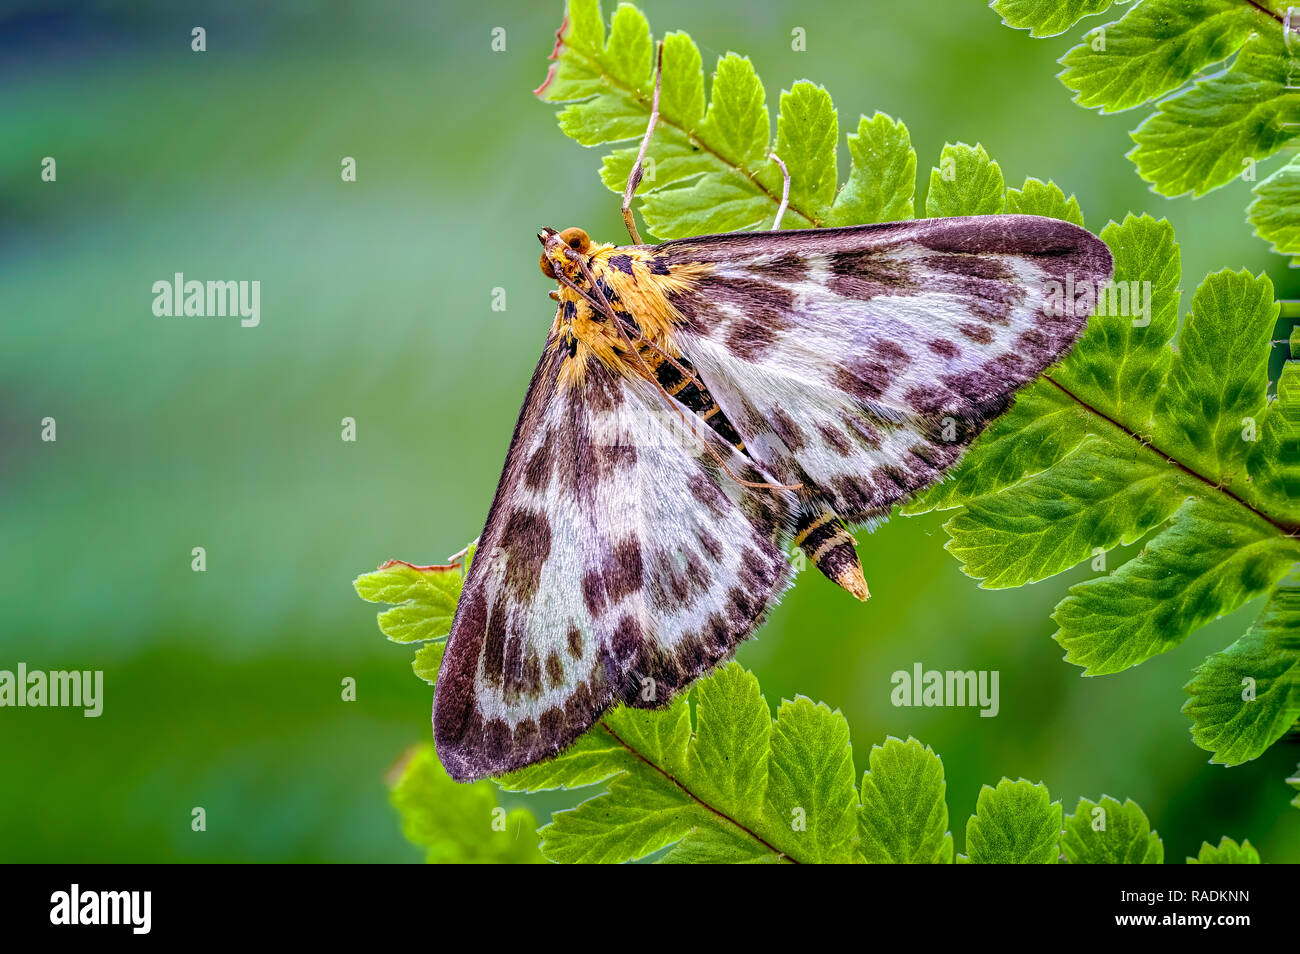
x: 785, y: 192
x: 456, y: 558
x: 637, y: 171
x: 421, y: 567
x: 821, y: 535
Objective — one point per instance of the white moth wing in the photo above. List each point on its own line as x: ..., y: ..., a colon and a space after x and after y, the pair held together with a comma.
x: 618, y: 563
x: 862, y: 361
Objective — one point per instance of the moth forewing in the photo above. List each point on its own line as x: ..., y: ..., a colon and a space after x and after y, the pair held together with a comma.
x: 618, y: 563
x: 862, y: 361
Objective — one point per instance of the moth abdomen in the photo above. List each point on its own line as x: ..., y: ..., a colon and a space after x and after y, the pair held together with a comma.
x: 679, y: 379
x: 821, y: 535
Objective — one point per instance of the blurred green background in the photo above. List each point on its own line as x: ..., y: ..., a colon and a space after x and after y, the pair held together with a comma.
x: 223, y: 688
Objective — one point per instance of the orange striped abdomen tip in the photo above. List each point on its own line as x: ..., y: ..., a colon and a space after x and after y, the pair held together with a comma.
x: 851, y: 579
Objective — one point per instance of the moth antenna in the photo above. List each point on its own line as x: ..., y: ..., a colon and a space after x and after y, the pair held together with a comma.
x: 695, y: 379
x: 634, y: 176
x: 564, y: 280
x: 677, y: 410
x: 683, y: 371
x: 785, y: 191
x: 713, y: 451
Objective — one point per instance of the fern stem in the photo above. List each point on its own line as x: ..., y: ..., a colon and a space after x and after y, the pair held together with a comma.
x: 1270, y: 13
x: 1287, y: 530
x: 721, y: 814
x: 665, y: 121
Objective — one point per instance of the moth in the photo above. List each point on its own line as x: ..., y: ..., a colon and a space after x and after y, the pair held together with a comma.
x: 704, y: 408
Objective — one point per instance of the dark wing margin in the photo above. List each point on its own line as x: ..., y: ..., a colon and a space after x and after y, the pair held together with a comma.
x: 618, y: 563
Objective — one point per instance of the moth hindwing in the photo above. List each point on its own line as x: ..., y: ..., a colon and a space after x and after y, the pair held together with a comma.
x: 700, y: 407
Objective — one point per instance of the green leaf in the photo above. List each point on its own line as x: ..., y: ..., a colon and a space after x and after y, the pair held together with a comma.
x: 1129, y: 436
x: 593, y: 758
x: 812, y: 812
x: 811, y: 807
x: 1036, y: 197
x: 708, y: 167
x: 1096, y: 498
x: 709, y: 845
x: 428, y: 660
x: 1119, y: 365
x: 1228, y: 852
x: 459, y: 824
x: 1214, y: 392
x: 1275, y: 213
x: 737, y: 121
x: 1042, y: 427
x: 1047, y: 17
x: 682, y: 97
x: 622, y: 68
x: 425, y: 599
x: 1106, y: 832
x: 701, y: 795
x: 1015, y: 823
x: 1246, y: 697
x: 634, y: 818
x: 882, y: 179
x: 729, y: 753
x: 646, y: 805
x: 806, y: 134
x: 717, y: 165
x: 737, y: 788
x: 1213, y: 558
x: 1199, y: 139
x: 660, y: 736
x: 904, y: 816
x: 1154, y: 49
x: 1294, y: 782
x: 1207, y: 126
x: 966, y: 182
x: 1274, y: 460
x: 682, y: 89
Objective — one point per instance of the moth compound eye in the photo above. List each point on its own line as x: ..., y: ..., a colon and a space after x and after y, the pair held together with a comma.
x: 546, y: 267
x: 576, y: 239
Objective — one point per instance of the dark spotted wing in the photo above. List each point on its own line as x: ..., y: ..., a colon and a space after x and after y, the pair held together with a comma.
x: 617, y: 564
x: 862, y: 361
